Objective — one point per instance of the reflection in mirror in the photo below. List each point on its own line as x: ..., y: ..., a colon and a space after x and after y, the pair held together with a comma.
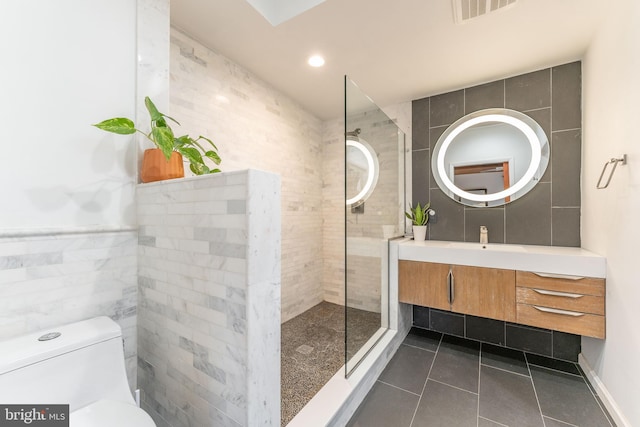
x: 362, y: 170
x: 490, y: 157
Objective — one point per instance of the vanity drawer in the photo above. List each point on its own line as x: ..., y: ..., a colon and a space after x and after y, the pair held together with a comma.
x: 561, y: 300
x: 570, y: 284
x: 573, y: 322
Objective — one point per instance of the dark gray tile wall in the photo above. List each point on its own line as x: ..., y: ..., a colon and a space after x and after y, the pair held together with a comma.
x: 549, y: 215
x: 544, y: 342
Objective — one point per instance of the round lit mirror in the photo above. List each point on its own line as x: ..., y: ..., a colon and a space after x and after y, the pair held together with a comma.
x: 490, y: 157
x: 362, y: 171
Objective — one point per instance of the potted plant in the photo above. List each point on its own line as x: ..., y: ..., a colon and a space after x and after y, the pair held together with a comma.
x: 165, y: 161
x: 419, y: 217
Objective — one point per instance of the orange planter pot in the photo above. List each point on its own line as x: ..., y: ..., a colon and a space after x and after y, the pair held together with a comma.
x: 155, y: 166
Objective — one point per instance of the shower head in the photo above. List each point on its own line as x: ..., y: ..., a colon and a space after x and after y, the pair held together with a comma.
x: 353, y: 133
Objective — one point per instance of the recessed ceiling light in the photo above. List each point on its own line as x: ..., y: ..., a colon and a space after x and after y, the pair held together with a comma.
x: 316, y: 61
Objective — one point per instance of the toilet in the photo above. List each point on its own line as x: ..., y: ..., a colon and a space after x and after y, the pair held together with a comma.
x: 80, y: 364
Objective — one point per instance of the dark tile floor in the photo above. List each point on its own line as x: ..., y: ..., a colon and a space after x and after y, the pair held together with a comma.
x: 313, y: 351
x: 440, y: 380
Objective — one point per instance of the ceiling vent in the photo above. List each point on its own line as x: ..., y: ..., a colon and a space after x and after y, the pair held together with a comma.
x: 464, y: 10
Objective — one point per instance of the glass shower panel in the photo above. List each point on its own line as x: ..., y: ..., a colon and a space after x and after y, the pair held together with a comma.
x: 374, y: 202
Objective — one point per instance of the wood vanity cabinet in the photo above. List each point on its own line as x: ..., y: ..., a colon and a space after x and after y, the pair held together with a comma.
x: 424, y: 283
x: 483, y: 292
x: 562, y: 303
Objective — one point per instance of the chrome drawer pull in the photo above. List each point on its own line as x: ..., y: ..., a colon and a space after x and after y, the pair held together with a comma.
x: 556, y: 311
x: 558, y: 294
x: 558, y: 276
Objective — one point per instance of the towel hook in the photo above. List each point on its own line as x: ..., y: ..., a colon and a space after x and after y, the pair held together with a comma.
x: 622, y: 160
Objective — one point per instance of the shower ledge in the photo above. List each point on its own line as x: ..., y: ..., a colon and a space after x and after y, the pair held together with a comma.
x: 543, y: 259
x: 367, y: 246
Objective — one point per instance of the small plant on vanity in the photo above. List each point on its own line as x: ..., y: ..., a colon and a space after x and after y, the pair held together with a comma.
x: 419, y: 216
x: 169, y: 146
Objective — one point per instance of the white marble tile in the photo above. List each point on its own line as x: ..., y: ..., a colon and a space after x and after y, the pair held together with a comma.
x: 94, y: 275
x: 247, y: 118
x: 153, y: 59
x: 200, y: 319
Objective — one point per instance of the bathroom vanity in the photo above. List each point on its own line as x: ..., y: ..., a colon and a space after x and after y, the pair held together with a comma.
x: 557, y: 288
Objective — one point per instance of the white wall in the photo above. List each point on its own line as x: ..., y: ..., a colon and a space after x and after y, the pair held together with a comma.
x: 65, y: 65
x: 610, y: 227
x: 256, y: 126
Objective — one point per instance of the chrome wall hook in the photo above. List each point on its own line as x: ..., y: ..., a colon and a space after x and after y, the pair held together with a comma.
x: 615, y: 161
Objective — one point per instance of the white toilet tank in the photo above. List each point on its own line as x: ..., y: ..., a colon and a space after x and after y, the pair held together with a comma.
x: 82, y: 365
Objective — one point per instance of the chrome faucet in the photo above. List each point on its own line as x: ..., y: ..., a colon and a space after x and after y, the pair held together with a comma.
x: 484, y: 235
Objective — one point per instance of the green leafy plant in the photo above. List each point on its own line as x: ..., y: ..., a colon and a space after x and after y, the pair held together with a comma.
x: 163, y: 137
x: 419, y: 215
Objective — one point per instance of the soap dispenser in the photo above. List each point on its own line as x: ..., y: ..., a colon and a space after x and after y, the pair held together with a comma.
x: 484, y: 235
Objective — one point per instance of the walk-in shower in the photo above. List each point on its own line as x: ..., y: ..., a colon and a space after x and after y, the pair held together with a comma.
x: 363, y: 201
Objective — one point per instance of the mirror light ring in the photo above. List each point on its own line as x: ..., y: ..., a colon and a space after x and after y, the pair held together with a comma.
x: 536, y: 153
x: 371, y: 169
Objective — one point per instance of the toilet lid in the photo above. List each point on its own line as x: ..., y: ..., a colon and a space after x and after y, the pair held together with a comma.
x: 109, y: 413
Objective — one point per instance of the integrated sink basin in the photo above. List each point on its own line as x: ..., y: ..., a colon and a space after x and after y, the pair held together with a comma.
x: 547, y: 259
x: 488, y: 246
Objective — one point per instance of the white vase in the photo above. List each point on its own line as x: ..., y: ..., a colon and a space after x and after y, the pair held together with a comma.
x: 419, y: 232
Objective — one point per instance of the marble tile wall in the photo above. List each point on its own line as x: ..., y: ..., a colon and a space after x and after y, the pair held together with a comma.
x: 209, y: 306
x: 256, y: 126
x: 384, y: 207
x: 51, y: 280
x: 385, y: 203
x: 333, y: 249
x: 152, y: 78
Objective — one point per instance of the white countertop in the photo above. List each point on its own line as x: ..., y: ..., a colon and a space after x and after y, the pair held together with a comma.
x: 541, y: 259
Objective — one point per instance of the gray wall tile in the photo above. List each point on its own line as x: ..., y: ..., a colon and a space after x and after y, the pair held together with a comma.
x: 446, y: 108
x: 566, y: 346
x: 566, y: 96
x: 566, y: 154
x: 420, y: 123
x: 450, y: 225
x: 421, y: 316
x: 543, y: 117
x: 565, y: 232
x: 485, y: 330
x: 490, y: 95
x: 492, y: 218
x: 420, y: 175
x: 434, y: 135
x: 528, y: 220
x: 531, y: 340
x: 529, y: 91
x: 446, y: 322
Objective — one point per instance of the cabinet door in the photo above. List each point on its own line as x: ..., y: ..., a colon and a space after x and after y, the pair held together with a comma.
x: 424, y: 283
x: 484, y: 292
